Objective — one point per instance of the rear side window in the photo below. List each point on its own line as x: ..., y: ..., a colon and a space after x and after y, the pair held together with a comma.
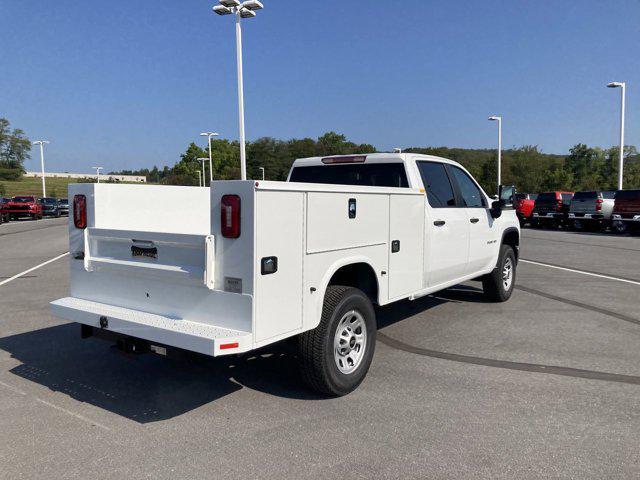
x: 608, y: 195
x: 437, y: 185
x: 628, y: 195
x: 470, y: 192
x: 371, y: 175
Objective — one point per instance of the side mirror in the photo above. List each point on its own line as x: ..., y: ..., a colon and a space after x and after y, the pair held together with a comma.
x: 506, y: 195
x: 496, y: 209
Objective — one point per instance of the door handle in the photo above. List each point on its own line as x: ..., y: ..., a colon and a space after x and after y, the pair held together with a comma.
x: 474, y: 220
x: 439, y: 223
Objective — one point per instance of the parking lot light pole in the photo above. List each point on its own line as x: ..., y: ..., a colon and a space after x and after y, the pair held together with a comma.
x: 495, y: 118
x: 42, y: 143
x: 622, y: 87
x: 204, y: 170
x: 98, y: 172
x: 210, y: 134
x: 199, y: 178
x: 241, y: 10
x: 262, y: 169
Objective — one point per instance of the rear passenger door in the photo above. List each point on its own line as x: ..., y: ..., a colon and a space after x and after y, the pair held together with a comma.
x: 482, y: 234
x: 446, y: 247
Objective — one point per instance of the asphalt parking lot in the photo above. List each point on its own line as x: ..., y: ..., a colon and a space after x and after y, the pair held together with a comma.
x: 543, y: 386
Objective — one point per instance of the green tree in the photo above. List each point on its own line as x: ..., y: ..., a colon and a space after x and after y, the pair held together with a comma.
x: 14, y: 150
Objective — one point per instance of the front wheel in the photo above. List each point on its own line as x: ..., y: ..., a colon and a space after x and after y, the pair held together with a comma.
x: 499, y: 284
x: 336, y: 355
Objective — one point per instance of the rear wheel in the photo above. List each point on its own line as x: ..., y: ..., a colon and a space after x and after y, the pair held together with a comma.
x: 336, y: 355
x: 498, y: 285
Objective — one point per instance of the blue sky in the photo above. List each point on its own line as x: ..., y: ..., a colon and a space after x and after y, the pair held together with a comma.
x: 128, y: 84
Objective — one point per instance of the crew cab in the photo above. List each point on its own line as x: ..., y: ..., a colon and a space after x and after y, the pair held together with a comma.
x: 24, y: 206
x: 250, y: 263
x: 591, y: 210
x: 524, y: 203
x: 626, y: 210
x: 551, y: 209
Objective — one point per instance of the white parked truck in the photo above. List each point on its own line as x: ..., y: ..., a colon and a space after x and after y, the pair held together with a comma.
x: 243, y: 264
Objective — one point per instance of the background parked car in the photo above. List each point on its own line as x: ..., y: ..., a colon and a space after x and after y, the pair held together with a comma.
x: 551, y: 209
x: 626, y: 210
x: 63, y: 205
x: 50, y: 207
x: 591, y: 210
x: 4, y: 210
x: 24, y: 206
x: 524, y: 203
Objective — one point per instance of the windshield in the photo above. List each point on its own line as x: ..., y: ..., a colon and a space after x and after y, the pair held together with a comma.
x: 372, y: 175
x: 585, y: 196
x: 22, y: 199
x: 49, y: 201
x: 63, y: 200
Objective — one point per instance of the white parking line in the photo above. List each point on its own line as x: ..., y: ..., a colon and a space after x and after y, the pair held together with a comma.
x: 599, y: 275
x: 4, y: 282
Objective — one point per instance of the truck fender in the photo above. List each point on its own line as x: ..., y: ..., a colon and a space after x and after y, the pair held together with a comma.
x: 331, y: 271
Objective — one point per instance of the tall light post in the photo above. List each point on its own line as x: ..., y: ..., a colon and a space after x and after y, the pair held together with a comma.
x: 97, y: 169
x: 210, y: 134
x: 495, y: 118
x: 622, y: 87
x: 203, y: 159
x: 241, y: 10
x: 199, y: 178
x: 262, y: 169
x: 42, y: 143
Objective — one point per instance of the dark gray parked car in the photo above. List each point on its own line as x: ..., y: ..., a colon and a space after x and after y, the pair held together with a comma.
x: 50, y: 207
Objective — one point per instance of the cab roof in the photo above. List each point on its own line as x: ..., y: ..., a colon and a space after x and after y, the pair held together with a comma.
x: 368, y: 158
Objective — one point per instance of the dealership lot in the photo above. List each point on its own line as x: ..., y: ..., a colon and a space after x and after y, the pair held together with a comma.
x: 543, y: 385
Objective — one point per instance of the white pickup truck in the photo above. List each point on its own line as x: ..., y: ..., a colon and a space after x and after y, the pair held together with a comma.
x: 244, y: 264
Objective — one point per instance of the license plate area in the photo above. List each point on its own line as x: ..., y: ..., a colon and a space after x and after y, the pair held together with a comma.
x: 144, y: 251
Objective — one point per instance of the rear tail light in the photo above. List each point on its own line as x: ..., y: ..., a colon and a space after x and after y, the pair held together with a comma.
x: 80, y: 211
x: 230, y: 216
x: 559, y: 205
x: 598, y: 205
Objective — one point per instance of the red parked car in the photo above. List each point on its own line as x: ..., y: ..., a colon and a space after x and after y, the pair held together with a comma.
x: 25, y: 206
x: 626, y: 210
x: 524, y: 203
x: 551, y: 208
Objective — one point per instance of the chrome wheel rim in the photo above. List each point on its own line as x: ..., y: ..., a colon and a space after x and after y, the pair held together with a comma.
x: 350, y: 342
x: 507, y: 274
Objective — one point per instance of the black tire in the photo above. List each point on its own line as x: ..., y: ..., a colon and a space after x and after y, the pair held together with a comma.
x: 492, y: 283
x: 318, y: 365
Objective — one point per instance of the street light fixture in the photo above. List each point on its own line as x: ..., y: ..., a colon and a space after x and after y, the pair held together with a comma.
x: 241, y: 10
x: 98, y: 172
x: 622, y: 87
x: 498, y: 119
x: 204, y: 170
x: 210, y: 134
x: 42, y: 143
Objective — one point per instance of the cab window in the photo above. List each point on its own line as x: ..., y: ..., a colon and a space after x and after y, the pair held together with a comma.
x: 437, y: 185
x: 471, y: 194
